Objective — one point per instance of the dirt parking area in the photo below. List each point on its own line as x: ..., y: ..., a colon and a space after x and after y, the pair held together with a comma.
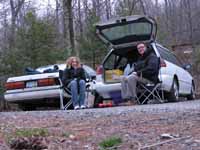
x: 149, y: 127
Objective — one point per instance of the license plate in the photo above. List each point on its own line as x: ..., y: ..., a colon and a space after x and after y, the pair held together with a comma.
x: 31, y: 84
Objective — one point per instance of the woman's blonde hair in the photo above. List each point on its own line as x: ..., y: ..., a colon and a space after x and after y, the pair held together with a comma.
x: 70, y: 59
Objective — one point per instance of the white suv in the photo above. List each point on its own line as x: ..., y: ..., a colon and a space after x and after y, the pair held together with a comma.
x: 122, y: 35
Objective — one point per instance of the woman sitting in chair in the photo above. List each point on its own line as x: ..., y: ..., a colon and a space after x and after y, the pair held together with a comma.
x: 74, y: 78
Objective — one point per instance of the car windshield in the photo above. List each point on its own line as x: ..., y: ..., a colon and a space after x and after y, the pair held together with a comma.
x: 89, y: 70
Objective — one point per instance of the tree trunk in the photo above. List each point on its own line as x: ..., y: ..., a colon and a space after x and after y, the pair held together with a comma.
x: 57, y: 14
x: 80, y: 18
x: 94, y: 7
x: 189, y: 14
x: 15, y: 8
x: 142, y: 6
x: 5, y: 42
x: 71, y: 27
x: 65, y: 22
x: 68, y: 18
x: 156, y: 10
x: 167, y: 18
x: 108, y: 9
x: 172, y: 21
x: 98, y: 8
x: 85, y: 6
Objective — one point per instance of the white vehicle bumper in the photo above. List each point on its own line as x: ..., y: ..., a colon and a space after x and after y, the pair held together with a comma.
x: 105, y: 90
x: 32, y: 94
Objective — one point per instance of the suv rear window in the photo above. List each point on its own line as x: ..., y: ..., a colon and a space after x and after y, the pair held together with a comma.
x: 119, y: 32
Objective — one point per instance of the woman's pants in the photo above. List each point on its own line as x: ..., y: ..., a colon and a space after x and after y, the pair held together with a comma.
x: 78, y: 92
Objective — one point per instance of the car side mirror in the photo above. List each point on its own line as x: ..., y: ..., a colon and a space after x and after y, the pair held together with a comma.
x: 187, y: 66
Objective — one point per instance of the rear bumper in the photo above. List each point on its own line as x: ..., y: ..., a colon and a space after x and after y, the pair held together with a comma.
x: 32, y: 94
x: 105, y: 90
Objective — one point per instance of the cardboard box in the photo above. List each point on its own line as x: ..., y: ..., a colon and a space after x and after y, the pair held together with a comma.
x: 115, y: 72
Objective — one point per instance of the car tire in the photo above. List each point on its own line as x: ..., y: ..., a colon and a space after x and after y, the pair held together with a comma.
x: 192, y: 93
x: 26, y: 107
x: 174, y: 92
x: 97, y: 100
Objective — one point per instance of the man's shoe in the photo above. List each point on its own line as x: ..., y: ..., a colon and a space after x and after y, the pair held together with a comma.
x: 83, y: 107
x: 132, y: 102
x: 76, y: 107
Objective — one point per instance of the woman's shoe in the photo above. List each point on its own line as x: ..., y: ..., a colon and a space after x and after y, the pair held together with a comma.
x: 76, y: 107
x: 132, y: 102
x: 83, y: 107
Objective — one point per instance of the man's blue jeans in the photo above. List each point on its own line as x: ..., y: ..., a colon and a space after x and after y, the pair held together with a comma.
x: 78, y: 92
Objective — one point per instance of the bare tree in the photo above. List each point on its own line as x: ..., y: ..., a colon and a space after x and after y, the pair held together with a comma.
x: 108, y: 9
x: 96, y: 7
x: 85, y: 7
x: 57, y: 13
x: 68, y: 24
x: 128, y: 7
x: 4, y: 24
x: 80, y: 18
x: 131, y: 6
x: 143, y: 7
x: 15, y: 8
x: 188, y: 13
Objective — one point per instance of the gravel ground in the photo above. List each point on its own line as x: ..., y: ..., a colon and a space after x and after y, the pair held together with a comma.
x: 167, y: 126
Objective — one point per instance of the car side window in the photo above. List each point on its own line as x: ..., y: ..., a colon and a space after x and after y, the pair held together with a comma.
x: 174, y: 60
x: 168, y: 56
x: 163, y: 53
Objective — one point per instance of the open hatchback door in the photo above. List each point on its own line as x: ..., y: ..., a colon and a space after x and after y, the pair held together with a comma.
x: 127, y: 30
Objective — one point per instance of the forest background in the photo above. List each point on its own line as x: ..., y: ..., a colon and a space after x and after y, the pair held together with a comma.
x: 33, y: 36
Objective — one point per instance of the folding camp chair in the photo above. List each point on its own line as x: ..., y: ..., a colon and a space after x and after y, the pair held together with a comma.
x: 65, y: 94
x: 150, y: 92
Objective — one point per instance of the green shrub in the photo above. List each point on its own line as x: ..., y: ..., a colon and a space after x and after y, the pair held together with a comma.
x: 110, y: 142
x: 31, y: 132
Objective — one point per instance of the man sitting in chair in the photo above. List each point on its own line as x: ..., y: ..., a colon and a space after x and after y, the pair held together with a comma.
x: 146, y: 67
x: 74, y: 78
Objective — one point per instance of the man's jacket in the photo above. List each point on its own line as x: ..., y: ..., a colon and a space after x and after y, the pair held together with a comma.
x: 148, y: 66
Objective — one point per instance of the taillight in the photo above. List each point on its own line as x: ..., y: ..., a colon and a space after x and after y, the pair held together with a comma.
x: 14, y: 85
x: 99, y: 70
x: 46, y: 82
x: 162, y: 63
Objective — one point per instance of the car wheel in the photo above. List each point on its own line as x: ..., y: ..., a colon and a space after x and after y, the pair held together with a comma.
x: 192, y: 93
x: 26, y: 107
x: 97, y: 100
x: 174, y: 92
